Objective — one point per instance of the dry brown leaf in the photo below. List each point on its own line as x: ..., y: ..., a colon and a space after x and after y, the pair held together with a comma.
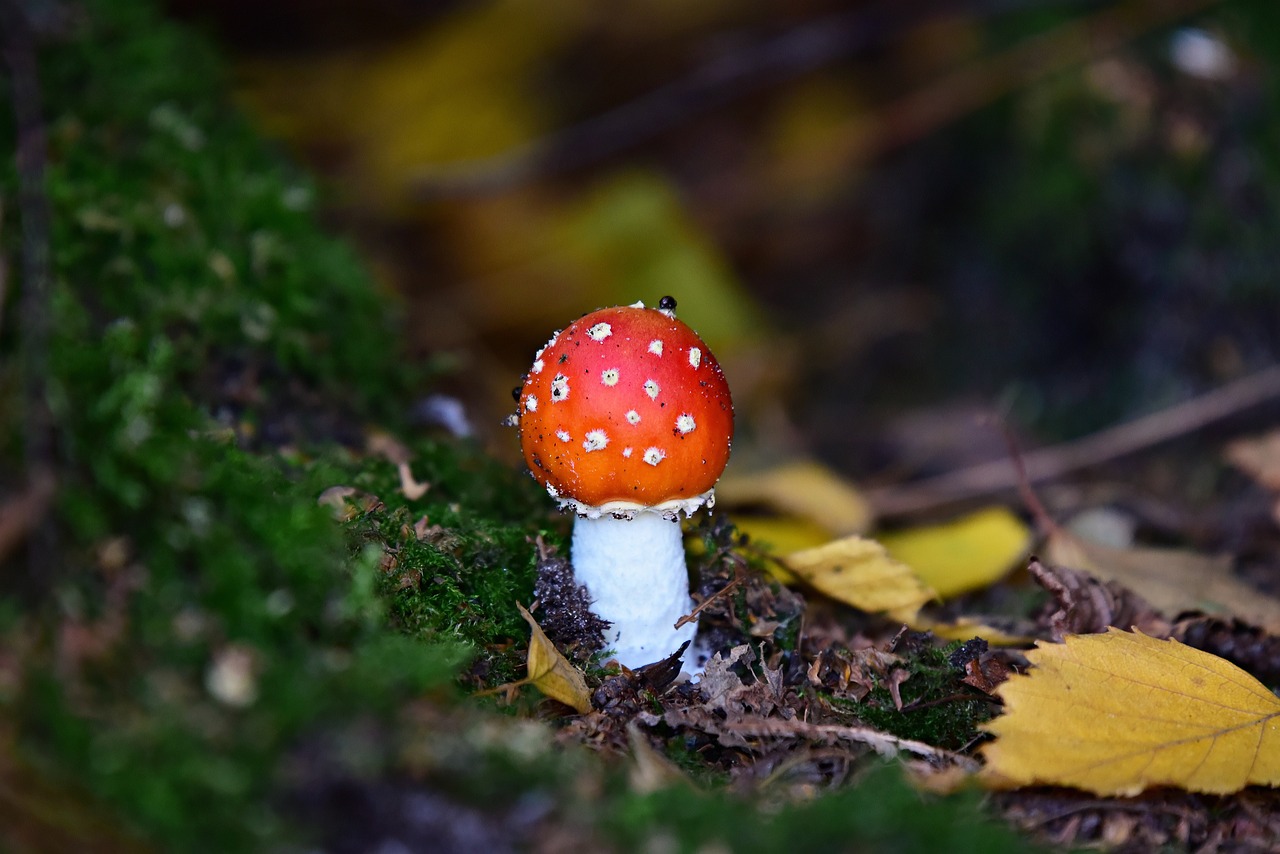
x: 409, y: 486
x: 859, y: 572
x: 1117, y: 713
x: 1258, y: 457
x: 1172, y: 580
x: 551, y: 673
x: 1083, y: 604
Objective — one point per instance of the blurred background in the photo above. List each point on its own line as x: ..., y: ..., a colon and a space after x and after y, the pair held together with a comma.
x: 886, y: 219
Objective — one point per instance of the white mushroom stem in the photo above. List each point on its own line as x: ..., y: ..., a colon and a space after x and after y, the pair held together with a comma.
x: 635, y: 576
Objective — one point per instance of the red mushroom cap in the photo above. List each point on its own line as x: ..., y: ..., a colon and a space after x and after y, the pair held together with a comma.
x: 626, y: 409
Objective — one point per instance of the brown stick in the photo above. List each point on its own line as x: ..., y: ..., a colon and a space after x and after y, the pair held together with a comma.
x: 999, y: 476
x: 19, y: 54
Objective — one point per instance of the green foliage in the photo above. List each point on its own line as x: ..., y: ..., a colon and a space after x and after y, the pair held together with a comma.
x: 882, y: 813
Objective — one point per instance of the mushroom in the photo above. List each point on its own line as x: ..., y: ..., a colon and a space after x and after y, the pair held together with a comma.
x: 625, y: 418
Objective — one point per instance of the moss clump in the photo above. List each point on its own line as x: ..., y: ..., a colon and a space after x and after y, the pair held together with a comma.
x: 198, y: 613
x: 937, y: 708
x: 456, y: 560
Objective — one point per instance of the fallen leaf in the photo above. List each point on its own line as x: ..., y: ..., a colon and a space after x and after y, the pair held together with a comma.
x: 409, y: 486
x: 1014, y: 633
x: 1118, y: 713
x: 1172, y: 580
x: 780, y: 534
x: 859, y: 572
x: 965, y: 554
x: 651, y: 771
x: 1258, y: 457
x: 1083, y: 604
x: 801, y: 489
x: 551, y: 673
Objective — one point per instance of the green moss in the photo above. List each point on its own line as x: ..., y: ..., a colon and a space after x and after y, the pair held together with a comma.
x: 937, y: 708
x: 459, y: 558
x: 883, y: 813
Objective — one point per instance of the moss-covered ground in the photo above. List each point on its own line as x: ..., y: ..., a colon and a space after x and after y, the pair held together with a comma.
x: 197, y: 654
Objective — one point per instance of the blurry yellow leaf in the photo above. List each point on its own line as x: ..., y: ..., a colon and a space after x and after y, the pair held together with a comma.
x: 805, y: 489
x: 551, y: 673
x: 1170, y: 579
x: 966, y: 554
x: 634, y: 238
x: 462, y: 88
x: 1117, y: 713
x: 965, y: 628
x: 860, y: 573
x: 544, y: 258
x: 781, y: 534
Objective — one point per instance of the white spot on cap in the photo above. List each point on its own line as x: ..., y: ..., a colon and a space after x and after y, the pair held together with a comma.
x: 552, y: 491
x: 633, y: 417
x: 651, y: 388
x: 559, y: 388
x: 636, y: 304
x: 655, y: 346
x: 685, y: 423
x: 695, y: 356
x: 537, y: 366
x: 596, y: 440
x: 563, y: 435
x: 531, y: 403
x: 653, y: 456
x: 599, y: 332
x: 626, y: 452
x: 609, y: 376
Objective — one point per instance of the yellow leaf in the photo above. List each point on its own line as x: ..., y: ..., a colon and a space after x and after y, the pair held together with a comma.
x: 1117, y: 713
x: 965, y: 554
x: 781, y: 534
x: 551, y: 673
x: 964, y: 628
x: 1172, y: 580
x: 804, y: 489
x: 860, y: 573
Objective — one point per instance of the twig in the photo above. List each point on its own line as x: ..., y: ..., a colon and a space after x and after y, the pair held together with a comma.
x: 998, y: 476
x: 984, y: 80
x: 800, y: 51
x: 738, y: 576
x: 881, y: 742
x: 33, y: 311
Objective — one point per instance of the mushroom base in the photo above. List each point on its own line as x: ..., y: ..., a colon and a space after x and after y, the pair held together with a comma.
x: 635, y: 576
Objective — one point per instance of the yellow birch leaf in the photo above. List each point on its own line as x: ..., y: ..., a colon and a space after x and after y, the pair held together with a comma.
x: 551, y: 673
x: 1116, y: 713
x: 965, y: 554
x: 802, y: 488
x: 859, y: 572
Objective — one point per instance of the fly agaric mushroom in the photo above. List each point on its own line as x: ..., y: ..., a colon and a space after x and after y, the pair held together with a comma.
x: 625, y: 418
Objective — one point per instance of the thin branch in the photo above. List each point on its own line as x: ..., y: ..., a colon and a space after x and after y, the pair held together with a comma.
x: 881, y: 742
x: 800, y: 51
x: 998, y: 476
x: 19, y: 52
